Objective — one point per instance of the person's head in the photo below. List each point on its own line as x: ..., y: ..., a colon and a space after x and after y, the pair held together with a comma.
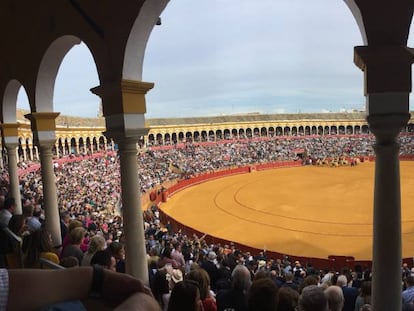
x: 309, y: 280
x: 335, y: 298
x: 366, y: 289
x: 69, y: 262
x: 410, y: 281
x: 313, y: 299
x: 240, y: 278
x: 202, y: 278
x: 289, y: 276
x: 10, y: 204
x: 367, y: 307
x: 176, y: 277
x: 46, y: 243
x: 342, y: 281
x: 287, y: 299
x: 74, y: 224
x: 104, y: 259
x: 117, y: 250
x: 185, y: 296
x: 160, y: 286
x: 77, y: 235
x: 27, y: 210
x: 17, y: 224
x: 262, y: 295
x: 96, y: 243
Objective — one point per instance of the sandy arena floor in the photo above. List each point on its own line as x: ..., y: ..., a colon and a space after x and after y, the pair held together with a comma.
x: 304, y: 211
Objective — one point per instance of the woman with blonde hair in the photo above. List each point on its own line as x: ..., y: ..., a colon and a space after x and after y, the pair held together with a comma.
x: 96, y: 243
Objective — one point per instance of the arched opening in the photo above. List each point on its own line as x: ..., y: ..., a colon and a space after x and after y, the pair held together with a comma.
x: 241, y: 134
x: 159, y: 139
x: 196, y: 136
x: 234, y: 133
x: 227, y: 134
x: 211, y: 136
x: 180, y: 137
x: 167, y: 139
x: 151, y: 140
x: 204, y: 136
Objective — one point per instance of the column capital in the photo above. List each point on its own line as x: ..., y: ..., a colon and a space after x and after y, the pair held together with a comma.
x: 10, y: 133
x: 43, y: 127
x: 387, y: 127
x: 126, y: 137
x: 386, y: 68
x: 123, y: 97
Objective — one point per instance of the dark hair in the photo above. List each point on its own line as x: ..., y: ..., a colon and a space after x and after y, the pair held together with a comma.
x: 115, y: 247
x: 287, y: 299
x: 16, y: 223
x: 9, y: 202
x: 34, y: 244
x: 203, y: 280
x: 102, y: 258
x: 184, y: 296
x: 262, y: 295
x: 160, y: 286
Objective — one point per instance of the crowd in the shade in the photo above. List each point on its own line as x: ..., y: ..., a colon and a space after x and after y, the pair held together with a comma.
x: 185, y: 272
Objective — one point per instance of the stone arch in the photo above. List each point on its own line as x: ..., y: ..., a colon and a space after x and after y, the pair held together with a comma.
x: 151, y: 139
x: 204, y: 136
x: 167, y: 139
x: 219, y: 135
x: 95, y: 144
x: 82, y: 145
x: 180, y: 137
x: 227, y: 134
x: 279, y: 131
x: 138, y: 38
x: 10, y: 101
x: 320, y: 130
x: 158, y: 139
x: 234, y: 134
x: 102, y: 143
x: 48, y: 69
x: 196, y: 136
x: 211, y: 135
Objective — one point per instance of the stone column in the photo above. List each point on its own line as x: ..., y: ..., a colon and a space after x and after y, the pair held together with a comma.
x: 131, y: 208
x: 37, y: 153
x: 44, y: 136
x: 24, y: 150
x: 1, y: 157
x: 57, y: 150
x: 10, y: 134
x: 125, y: 122
x: 387, y: 73
x: 31, y: 152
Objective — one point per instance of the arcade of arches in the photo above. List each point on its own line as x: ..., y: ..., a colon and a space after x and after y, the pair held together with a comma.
x: 81, y: 135
x: 34, y: 45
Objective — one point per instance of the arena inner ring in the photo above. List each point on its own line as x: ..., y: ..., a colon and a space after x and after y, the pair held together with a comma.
x: 305, y: 211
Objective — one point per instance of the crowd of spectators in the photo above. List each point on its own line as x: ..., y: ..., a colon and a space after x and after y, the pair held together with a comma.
x: 186, y: 272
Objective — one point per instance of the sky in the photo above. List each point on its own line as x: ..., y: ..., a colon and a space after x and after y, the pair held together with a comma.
x: 219, y: 57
